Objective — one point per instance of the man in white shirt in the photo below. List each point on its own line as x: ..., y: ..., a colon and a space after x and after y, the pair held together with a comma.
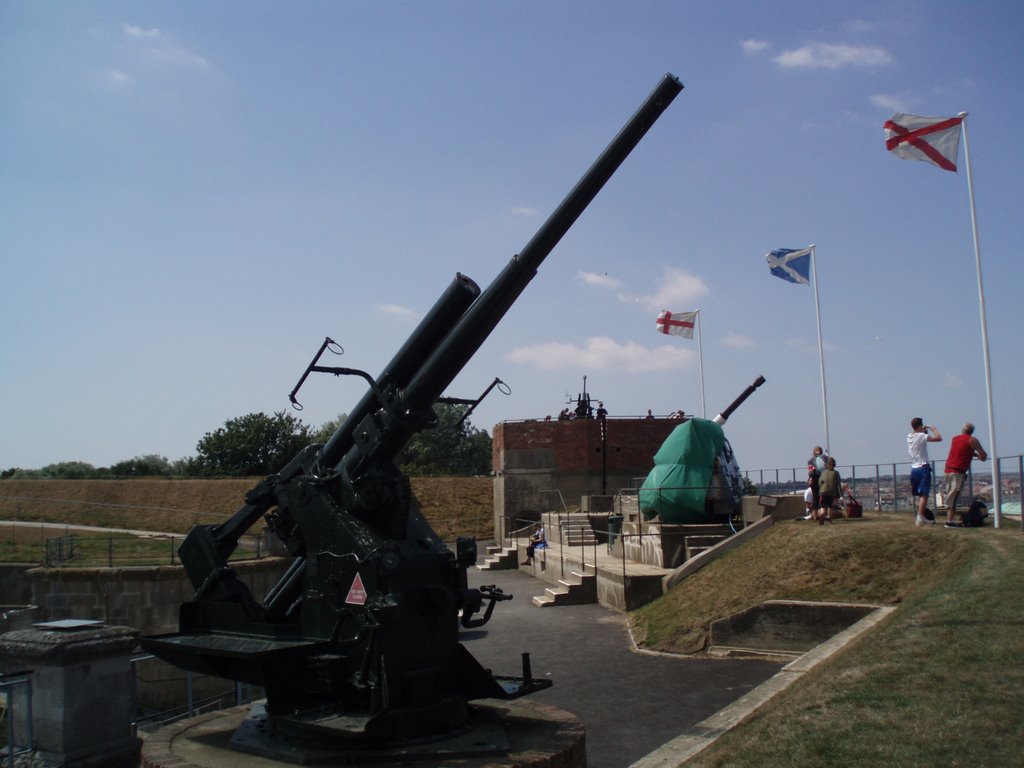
x: 920, y: 467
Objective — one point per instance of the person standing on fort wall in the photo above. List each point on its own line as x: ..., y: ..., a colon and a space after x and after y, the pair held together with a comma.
x: 920, y: 467
x: 962, y: 450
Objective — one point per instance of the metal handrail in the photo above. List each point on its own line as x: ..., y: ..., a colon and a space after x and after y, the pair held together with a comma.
x: 8, y: 682
x: 885, y: 488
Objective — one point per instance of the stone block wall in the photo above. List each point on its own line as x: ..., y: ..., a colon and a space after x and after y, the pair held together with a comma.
x: 143, y: 597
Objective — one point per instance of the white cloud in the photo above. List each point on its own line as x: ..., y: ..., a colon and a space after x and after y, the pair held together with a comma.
x: 833, y: 56
x: 602, y: 353
x: 754, y: 47
x: 738, y: 341
x: 890, y: 102
x: 394, y: 309
x: 522, y: 210
x: 676, y: 291
x: 807, y: 345
x: 132, y: 31
x: 119, y: 79
x: 160, y: 50
x: 592, y: 278
x: 952, y: 381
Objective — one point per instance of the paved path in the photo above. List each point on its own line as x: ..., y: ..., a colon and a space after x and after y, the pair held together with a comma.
x: 93, y: 528
x: 631, y: 703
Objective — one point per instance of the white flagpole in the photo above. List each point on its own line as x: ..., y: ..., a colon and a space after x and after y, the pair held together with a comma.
x: 700, y: 365
x: 996, y: 490
x: 821, y: 348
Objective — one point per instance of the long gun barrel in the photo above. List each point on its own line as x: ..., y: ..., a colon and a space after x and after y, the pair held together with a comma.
x: 724, y: 415
x: 387, y: 416
x: 459, y: 346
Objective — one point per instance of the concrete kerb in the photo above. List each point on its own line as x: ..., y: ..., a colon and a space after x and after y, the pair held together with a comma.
x: 677, y: 752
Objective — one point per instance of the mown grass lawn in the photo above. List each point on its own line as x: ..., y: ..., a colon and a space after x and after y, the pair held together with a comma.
x: 939, y: 683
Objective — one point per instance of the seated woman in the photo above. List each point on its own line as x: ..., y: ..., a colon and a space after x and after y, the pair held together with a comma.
x: 537, y: 541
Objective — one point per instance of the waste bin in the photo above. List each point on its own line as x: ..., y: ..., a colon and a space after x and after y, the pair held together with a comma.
x: 614, y: 529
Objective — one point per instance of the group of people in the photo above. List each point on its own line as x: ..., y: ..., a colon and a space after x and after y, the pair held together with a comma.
x: 825, y: 486
x: 582, y: 411
x: 963, y: 449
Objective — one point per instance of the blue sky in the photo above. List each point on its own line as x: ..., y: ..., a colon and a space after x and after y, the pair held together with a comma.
x: 193, y: 195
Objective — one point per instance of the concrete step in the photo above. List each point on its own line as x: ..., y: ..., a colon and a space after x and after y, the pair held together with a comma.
x: 578, y: 532
x: 697, y: 544
x: 580, y: 539
x: 505, y: 559
x: 579, y: 589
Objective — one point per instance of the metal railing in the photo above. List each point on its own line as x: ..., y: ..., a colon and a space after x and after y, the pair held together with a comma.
x: 98, y: 551
x: 8, y: 683
x: 237, y: 695
x: 888, y: 485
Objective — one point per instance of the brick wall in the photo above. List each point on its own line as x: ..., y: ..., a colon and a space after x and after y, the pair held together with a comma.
x: 532, y: 458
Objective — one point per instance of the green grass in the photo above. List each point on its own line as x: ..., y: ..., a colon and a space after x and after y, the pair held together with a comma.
x: 939, y: 683
x: 25, y: 544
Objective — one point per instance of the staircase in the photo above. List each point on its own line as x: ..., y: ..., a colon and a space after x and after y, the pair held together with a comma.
x: 697, y: 544
x: 576, y: 589
x: 576, y: 530
x: 499, y: 559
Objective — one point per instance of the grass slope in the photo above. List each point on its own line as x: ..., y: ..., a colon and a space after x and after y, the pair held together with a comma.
x: 940, y: 683
x: 455, y: 506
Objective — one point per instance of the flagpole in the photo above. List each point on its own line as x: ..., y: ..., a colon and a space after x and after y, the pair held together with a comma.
x: 700, y: 365
x: 821, y: 348
x: 996, y: 480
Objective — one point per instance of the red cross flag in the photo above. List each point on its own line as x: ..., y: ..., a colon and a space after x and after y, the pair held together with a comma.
x: 676, y: 324
x: 934, y: 139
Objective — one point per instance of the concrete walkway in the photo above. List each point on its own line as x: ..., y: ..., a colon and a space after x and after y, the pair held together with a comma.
x: 631, y: 703
x: 640, y: 709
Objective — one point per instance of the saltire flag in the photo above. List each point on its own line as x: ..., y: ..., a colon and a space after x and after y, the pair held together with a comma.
x: 676, y: 323
x: 794, y: 266
x: 933, y: 139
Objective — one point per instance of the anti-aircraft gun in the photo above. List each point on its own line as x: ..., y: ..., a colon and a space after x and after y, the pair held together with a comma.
x: 358, y: 640
x: 696, y: 478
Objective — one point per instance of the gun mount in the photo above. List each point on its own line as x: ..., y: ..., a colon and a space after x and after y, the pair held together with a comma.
x: 696, y: 478
x: 358, y: 640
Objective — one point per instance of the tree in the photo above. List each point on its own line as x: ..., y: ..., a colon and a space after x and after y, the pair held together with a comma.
x: 69, y: 470
x: 448, y: 449
x: 149, y: 465
x: 328, y: 428
x: 254, y: 444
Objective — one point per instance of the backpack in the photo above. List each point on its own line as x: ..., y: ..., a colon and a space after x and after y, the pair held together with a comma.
x: 975, y: 515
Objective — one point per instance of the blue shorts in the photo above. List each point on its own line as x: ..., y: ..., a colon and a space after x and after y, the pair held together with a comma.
x: 921, y: 480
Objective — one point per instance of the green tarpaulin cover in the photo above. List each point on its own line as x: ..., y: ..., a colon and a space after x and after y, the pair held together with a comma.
x: 676, y: 488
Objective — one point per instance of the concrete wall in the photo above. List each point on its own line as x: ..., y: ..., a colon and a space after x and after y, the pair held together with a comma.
x: 145, y: 598
x: 14, y: 587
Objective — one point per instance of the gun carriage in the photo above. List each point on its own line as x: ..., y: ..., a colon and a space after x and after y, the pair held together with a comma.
x: 358, y: 640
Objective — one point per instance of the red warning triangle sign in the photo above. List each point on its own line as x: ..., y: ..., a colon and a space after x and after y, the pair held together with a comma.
x: 357, y: 592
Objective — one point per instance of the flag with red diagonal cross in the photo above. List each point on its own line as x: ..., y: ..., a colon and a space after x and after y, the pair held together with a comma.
x: 676, y: 323
x: 933, y: 139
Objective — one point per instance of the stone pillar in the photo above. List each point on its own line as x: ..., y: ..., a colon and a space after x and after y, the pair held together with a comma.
x: 81, y: 692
